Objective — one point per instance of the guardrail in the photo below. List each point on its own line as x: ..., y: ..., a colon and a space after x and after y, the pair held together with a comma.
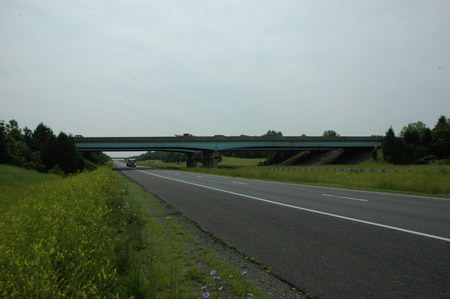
x: 89, y: 166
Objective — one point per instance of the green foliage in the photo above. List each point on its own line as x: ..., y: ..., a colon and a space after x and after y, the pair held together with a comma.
x: 14, y: 181
x: 232, y: 161
x: 374, y: 154
x: 418, y: 144
x: 166, y: 157
x: 98, y: 158
x: 440, y: 138
x: 40, y: 150
x: 273, y: 133
x: 173, y: 157
x: 330, y: 133
x: 150, y: 155
x: 60, y: 238
x: 67, y: 156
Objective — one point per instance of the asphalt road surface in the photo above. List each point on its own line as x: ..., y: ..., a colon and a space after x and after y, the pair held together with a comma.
x: 332, y: 243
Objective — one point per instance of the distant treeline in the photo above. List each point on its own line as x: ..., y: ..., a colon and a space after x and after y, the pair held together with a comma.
x: 42, y: 150
x: 167, y: 157
x: 417, y: 144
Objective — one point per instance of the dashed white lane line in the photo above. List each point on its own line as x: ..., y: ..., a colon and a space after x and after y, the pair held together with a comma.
x: 305, y: 209
x: 240, y: 183
x: 343, y: 197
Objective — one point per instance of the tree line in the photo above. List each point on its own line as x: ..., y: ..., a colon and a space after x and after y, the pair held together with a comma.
x: 418, y: 144
x: 41, y: 149
x: 167, y: 157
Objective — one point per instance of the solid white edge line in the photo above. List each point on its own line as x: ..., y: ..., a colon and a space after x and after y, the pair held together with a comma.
x: 343, y: 197
x: 305, y: 209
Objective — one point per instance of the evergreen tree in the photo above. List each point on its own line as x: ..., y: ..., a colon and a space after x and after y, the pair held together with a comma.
x: 67, y: 156
x: 440, y: 138
x: 4, y: 157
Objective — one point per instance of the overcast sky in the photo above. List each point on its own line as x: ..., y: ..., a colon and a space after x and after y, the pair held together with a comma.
x: 159, y: 68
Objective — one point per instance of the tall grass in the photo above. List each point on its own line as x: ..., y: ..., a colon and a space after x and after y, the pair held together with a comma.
x: 60, y: 238
x: 14, y: 181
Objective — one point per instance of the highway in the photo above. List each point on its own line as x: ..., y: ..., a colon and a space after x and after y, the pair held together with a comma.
x: 332, y: 243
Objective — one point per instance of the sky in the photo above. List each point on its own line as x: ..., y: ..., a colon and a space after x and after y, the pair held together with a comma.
x: 160, y: 68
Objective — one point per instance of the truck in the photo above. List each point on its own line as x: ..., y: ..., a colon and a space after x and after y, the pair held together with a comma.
x: 131, y: 163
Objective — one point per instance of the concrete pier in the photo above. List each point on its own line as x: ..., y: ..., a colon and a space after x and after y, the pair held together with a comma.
x: 210, y: 159
x: 190, y: 162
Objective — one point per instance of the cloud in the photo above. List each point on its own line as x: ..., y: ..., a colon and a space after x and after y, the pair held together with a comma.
x: 224, y: 67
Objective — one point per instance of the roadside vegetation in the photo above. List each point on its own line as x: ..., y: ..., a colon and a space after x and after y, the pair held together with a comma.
x: 415, y: 180
x: 42, y: 150
x: 417, y: 144
x: 61, y: 237
x: 98, y: 234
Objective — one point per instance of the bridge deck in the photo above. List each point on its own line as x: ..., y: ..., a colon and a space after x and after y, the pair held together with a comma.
x: 193, y: 143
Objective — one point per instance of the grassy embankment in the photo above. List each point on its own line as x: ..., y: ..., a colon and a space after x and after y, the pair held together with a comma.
x: 417, y: 179
x: 99, y: 235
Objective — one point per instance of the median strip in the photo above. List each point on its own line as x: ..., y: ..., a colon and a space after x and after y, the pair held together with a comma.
x: 305, y: 209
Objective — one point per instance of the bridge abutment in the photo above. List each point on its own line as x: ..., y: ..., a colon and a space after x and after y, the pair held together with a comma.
x: 210, y: 159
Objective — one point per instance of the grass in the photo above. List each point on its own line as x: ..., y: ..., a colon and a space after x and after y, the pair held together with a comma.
x: 15, y: 181
x: 60, y: 237
x: 232, y: 161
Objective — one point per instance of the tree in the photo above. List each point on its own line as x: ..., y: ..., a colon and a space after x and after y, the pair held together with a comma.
x: 39, y: 150
x: 394, y: 149
x: 41, y: 137
x: 44, y: 142
x: 15, y: 150
x: 440, y: 138
x: 273, y: 133
x: 330, y: 133
x: 13, y: 130
x: 388, y: 144
x: 3, y: 143
x: 99, y: 158
x: 417, y: 137
x: 67, y: 156
x: 416, y: 133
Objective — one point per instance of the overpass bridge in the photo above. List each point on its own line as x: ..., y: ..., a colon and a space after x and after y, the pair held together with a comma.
x: 210, y: 146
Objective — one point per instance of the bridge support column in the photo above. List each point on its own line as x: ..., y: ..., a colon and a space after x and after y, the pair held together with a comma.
x: 190, y: 162
x: 210, y: 159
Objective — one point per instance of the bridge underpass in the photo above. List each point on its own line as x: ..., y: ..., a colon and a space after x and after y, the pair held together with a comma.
x: 210, y: 146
